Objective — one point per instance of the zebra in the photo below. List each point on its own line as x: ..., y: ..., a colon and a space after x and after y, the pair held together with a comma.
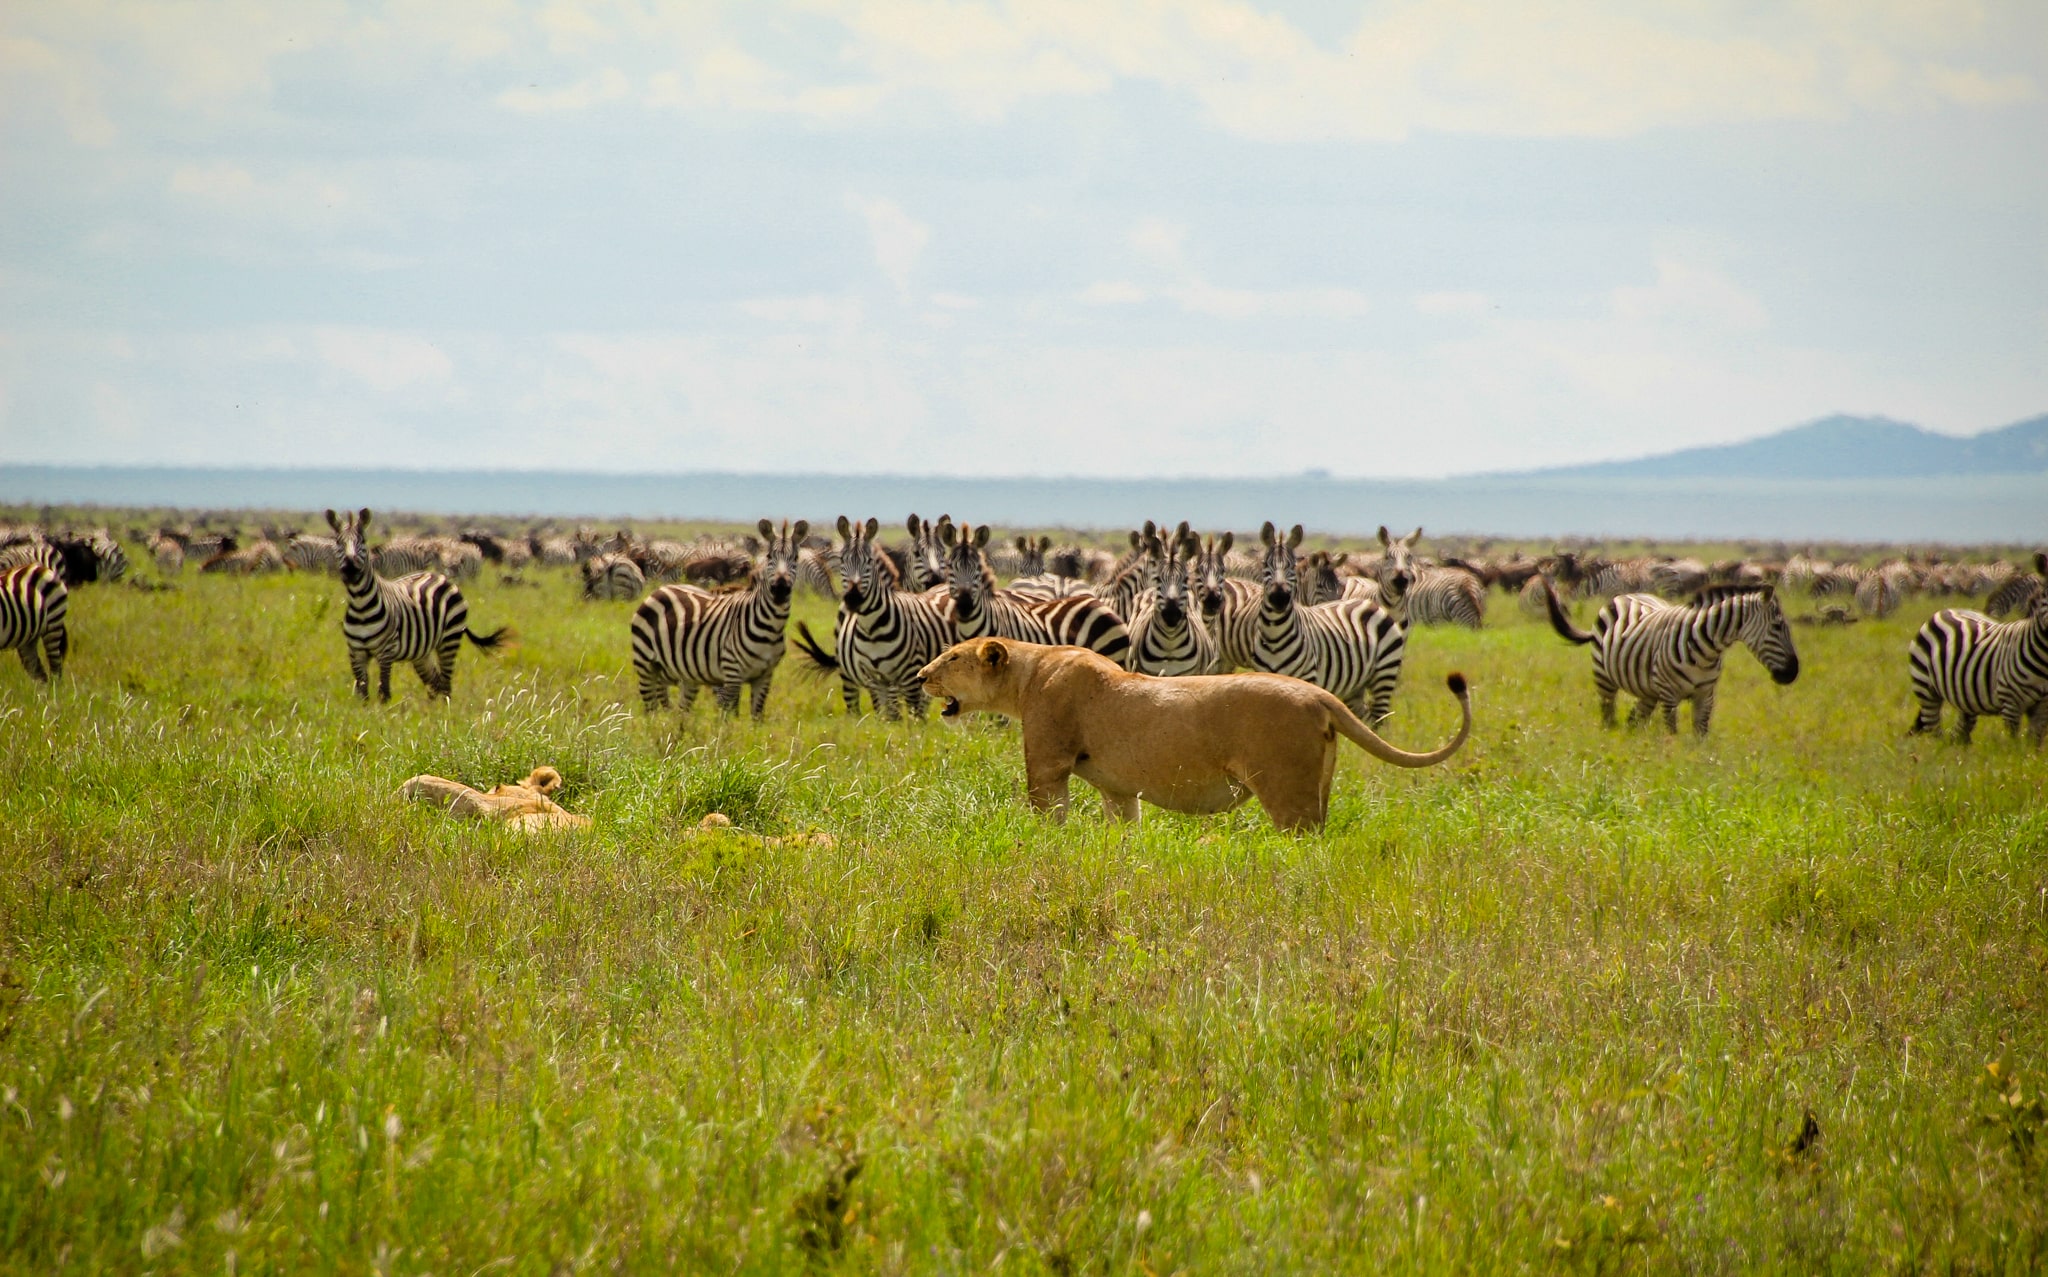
x: 927, y: 558
x: 1450, y: 595
x: 1136, y: 572
x: 884, y: 635
x: 1882, y: 589
x: 1167, y: 634
x: 1393, y: 575
x: 313, y: 553
x: 1663, y: 653
x: 979, y: 608
x: 692, y: 638
x: 2015, y: 593
x: 41, y: 554
x: 33, y: 601
x: 1229, y: 604
x: 1980, y: 666
x: 1351, y: 648
x: 406, y: 556
x: 612, y: 576
x: 420, y: 618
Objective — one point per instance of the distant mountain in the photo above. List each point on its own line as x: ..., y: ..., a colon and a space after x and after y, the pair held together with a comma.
x: 1843, y: 447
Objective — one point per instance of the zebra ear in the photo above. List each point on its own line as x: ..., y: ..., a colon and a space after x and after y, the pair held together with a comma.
x: 1386, y: 542
x: 1294, y: 536
x: 2041, y: 562
x: 1229, y: 539
x: 799, y: 530
x: 1412, y: 538
x: 981, y: 537
x: 845, y: 528
x: 1044, y: 544
x: 333, y: 521
x: 874, y: 525
x: 767, y: 529
x: 947, y: 536
x: 1267, y: 533
x: 363, y: 520
x: 912, y: 524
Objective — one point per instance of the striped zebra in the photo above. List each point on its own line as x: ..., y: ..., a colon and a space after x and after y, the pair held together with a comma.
x: 884, y: 634
x: 1351, y: 648
x: 33, y: 601
x: 690, y: 638
x: 1229, y: 604
x: 406, y: 556
x: 420, y: 618
x: 168, y: 552
x: 2015, y: 593
x: 1136, y: 572
x: 39, y: 554
x: 927, y: 557
x: 1663, y: 653
x: 979, y: 608
x: 1447, y: 595
x: 1392, y: 575
x: 612, y: 576
x: 1167, y: 635
x: 1980, y: 666
x: 313, y: 553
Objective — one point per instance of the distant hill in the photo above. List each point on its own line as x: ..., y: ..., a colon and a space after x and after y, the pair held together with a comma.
x: 1844, y: 447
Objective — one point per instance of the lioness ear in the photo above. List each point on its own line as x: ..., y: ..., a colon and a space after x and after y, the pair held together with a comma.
x: 874, y: 526
x: 845, y: 528
x: 333, y: 521
x: 767, y: 529
x: 994, y: 654
x: 1294, y: 536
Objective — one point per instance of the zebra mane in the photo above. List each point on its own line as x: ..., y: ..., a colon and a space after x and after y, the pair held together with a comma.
x: 1721, y: 593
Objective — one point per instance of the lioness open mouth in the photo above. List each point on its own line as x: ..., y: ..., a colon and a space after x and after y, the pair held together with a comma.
x: 951, y: 709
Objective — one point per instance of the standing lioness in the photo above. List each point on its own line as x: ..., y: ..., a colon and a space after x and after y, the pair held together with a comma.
x: 1201, y: 744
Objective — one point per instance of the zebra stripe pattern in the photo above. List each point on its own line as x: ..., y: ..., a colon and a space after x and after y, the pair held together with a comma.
x: 33, y: 601
x: 612, y: 576
x: 1350, y: 648
x: 420, y: 618
x: 1168, y: 638
x: 884, y: 635
x: 1663, y: 653
x: 978, y: 608
x: 690, y: 638
x: 1980, y: 666
x: 1229, y: 604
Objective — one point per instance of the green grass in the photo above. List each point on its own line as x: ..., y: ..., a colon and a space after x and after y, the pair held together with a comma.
x: 1559, y: 1005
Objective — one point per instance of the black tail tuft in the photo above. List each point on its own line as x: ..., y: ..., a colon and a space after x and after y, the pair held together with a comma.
x: 808, y: 645
x: 1558, y: 620
x: 495, y: 639
x: 1456, y: 682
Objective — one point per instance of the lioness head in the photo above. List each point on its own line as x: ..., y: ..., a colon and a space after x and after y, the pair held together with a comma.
x: 970, y: 675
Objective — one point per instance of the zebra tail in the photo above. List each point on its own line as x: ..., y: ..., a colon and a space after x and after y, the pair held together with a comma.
x: 1559, y: 621
x: 824, y: 661
x: 495, y: 639
x: 1355, y: 730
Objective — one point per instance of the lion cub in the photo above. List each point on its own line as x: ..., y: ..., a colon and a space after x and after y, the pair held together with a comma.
x: 1202, y: 744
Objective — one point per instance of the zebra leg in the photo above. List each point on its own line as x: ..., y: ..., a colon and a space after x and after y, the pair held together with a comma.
x: 449, y: 648
x: 2012, y: 714
x: 686, y: 695
x: 430, y: 676
x: 1670, y: 709
x: 916, y: 699
x: 383, y: 680
x: 29, y: 661
x: 653, y: 690
x: 849, y: 692
x: 1606, y: 690
x: 359, y: 665
x: 2037, y: 718
x: 56, y: 642
x: 1702, y: 711
x: 760, y: 690
x: 1929, y: 718
x: 1641, y: 713
x: 1966, y: 722
x: 728, y: 698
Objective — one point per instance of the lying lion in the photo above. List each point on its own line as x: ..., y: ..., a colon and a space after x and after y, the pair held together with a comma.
x: 523, y: 805
x: 1202, y: 744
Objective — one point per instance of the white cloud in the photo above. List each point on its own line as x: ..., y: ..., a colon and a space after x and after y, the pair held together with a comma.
x: 1112, y: 293
x: 1453, y: 303
x: 898, y: 238
x: 955, y: 301
x: 303, y: 198
x: 1202, y: 298
x: 608, y: 85
x: 387, y: 362
x: 812, y: 309
x: 1690, y: 294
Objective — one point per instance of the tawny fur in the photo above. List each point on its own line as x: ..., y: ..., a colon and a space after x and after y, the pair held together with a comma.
x: 522, y: 805
x: 1197, y: 744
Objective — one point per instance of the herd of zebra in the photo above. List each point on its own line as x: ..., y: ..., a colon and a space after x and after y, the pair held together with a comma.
x: 1174, y: 603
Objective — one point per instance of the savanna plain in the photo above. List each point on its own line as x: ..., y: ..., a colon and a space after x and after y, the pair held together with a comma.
x: 1577, y: 1001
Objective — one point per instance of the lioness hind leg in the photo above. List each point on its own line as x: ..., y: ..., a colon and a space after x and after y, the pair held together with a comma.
x: 1120, y: 808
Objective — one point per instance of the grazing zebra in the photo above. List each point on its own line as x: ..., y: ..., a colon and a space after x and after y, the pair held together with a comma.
x: 693, y: 638
x: 1229, y: 604
x: 884, y: 635
x: 1664, y: 653
x: 1980, y: 666
x: 1882, y: 589
x: 979, y: 608
x: 313, y: 553
x: 169, y: 554
x: 1167, y: 635
x: 420, y: 618
x: 2015, y: 593
x: 32, y: 604
x: 40, y: 554
x: 1351, y: 648
x: 612, y: 576
x: 1446, y: 595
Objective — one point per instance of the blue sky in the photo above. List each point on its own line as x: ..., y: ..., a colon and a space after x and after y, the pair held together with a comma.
x: 1062, y: 237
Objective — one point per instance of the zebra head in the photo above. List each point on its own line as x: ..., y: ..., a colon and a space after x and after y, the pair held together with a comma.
x: 1209, y: 574
x: 861, y: 566
x: 778, y: 562
x: 349, y: 531
x: 1765, y: 632
x: 1280, y: 571
x: 1031, y: 555
x: 969, y: 579
x: 927, y: 558
x: 1396, y: 571
x: 1173, y: 587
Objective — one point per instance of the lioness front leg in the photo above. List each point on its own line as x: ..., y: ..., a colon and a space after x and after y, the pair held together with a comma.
x: 1120, y: 808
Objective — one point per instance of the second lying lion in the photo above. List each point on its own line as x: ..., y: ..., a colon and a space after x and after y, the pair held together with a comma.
x: 1202, y: 744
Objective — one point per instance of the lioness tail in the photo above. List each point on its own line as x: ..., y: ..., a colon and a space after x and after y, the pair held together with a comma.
x: 1355, y: 730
